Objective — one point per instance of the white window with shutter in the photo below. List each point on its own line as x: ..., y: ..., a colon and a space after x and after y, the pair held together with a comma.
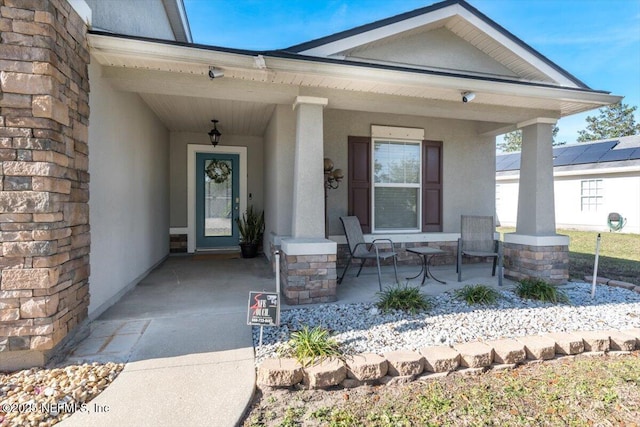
x: 397, y: 183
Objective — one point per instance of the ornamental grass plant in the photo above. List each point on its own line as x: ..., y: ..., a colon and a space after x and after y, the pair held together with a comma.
x: 477, y: 294
x: 403, y: 298
x: 311, y: 345
x: 540, y: 290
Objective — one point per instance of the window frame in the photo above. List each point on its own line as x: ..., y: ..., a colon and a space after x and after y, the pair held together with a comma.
x: 419, y: 186
x: 594, y: 196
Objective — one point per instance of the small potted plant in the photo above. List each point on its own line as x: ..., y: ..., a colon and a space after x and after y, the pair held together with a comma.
x: 251, y: 228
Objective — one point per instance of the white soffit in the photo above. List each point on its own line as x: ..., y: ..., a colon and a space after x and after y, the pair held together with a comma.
x: 186, y: 113
x: 465, y: 25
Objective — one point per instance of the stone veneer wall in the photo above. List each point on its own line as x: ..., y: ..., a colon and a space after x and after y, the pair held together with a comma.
x: 549, y: 263
x: 44, y: 179
x: 407, y: 258
x: 178, y: 243
x: 307, y: 279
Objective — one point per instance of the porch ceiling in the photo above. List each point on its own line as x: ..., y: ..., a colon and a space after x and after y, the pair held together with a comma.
x: 186, y: 113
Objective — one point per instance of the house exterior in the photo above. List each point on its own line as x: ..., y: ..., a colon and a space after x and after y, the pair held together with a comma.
x: 591, y: 180
x: 106, y: 158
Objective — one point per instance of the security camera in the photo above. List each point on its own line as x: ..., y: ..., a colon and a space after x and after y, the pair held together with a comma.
x: 215, y: 72
x: 468, y: 96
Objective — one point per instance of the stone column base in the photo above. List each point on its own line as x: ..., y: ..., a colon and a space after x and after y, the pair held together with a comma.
x: 308, y: 270
x: 542, y: 257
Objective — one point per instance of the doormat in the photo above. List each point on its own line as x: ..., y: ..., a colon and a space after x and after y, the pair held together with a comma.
x: 230, y: 255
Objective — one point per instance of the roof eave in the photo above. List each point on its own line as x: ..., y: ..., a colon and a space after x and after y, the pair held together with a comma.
x: 160, y: 50
x: 177, y: 15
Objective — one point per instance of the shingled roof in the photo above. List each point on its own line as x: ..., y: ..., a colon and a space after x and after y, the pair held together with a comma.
x: 611, y: 150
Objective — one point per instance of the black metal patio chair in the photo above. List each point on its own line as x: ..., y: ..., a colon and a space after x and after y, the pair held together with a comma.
x: 359, y: 249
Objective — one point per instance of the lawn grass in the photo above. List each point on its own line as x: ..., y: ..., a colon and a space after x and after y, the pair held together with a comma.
x: 619, y: 257
x: 572, y: 392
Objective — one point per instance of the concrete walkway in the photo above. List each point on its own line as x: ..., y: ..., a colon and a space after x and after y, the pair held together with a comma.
x: 188, y: 351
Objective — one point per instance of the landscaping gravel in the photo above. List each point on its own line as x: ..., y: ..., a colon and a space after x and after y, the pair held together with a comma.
x: 43, y: 397
x: 363, y: 328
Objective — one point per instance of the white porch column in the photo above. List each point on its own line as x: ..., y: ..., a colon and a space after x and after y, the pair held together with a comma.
x: 536, y: 206
x: 308, y: 175
x: 308, y: 264
x: 535, y: 250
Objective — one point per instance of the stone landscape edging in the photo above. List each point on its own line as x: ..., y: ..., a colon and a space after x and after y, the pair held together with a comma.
x: 430, y: 362
x: 434, y: 361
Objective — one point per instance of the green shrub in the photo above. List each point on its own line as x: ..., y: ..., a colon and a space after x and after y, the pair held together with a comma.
x: 311, y: 345
x: 477, y: 294
x: 540, y: 290
x: 403, y: 298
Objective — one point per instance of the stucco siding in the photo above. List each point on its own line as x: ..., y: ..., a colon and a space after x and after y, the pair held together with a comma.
x: 440, y: 49
x: 278, y: 167
x: 467, y: 189
x: 129, y: 164
x: 178, y: 170
x: 123, y: 17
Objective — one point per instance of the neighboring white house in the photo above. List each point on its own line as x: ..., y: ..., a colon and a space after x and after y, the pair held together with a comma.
x: 591, y: 180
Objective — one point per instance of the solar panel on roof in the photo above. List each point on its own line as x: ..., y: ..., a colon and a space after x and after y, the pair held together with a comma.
x: 588, y: 157
x: 576, y: 149
x: 602, y: 146
x: 511, y: 165
x: 507, y: 162
x: 614, y: 155
x: 635, y: 154
x: 515, y: 165
x: 577, y: 154
x: 563, y: 160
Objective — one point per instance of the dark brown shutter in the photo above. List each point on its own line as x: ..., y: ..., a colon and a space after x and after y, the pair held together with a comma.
x: 431, y: 185
x: 359, y: 180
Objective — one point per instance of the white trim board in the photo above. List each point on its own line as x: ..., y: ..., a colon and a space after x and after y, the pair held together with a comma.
x: 192, y: 150
x: 522, y: 239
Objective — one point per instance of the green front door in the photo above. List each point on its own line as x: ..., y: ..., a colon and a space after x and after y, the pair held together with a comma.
x: 217, y: 200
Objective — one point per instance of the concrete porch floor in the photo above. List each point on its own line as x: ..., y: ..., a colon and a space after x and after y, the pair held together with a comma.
x: 182, y: 332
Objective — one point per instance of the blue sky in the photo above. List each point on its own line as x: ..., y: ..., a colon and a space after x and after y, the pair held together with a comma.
x: 598, y: 41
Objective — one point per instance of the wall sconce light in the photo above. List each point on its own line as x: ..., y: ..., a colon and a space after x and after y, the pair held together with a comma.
x: 332, y: 177
x: 214, y: 134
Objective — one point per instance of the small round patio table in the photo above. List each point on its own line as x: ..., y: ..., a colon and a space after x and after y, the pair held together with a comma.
x: 426, y: 254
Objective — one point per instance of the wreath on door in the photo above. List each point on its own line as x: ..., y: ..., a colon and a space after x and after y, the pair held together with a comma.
x: 218, y: 171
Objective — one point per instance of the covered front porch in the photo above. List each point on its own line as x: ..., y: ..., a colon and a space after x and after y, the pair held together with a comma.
x: 416, y: 143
